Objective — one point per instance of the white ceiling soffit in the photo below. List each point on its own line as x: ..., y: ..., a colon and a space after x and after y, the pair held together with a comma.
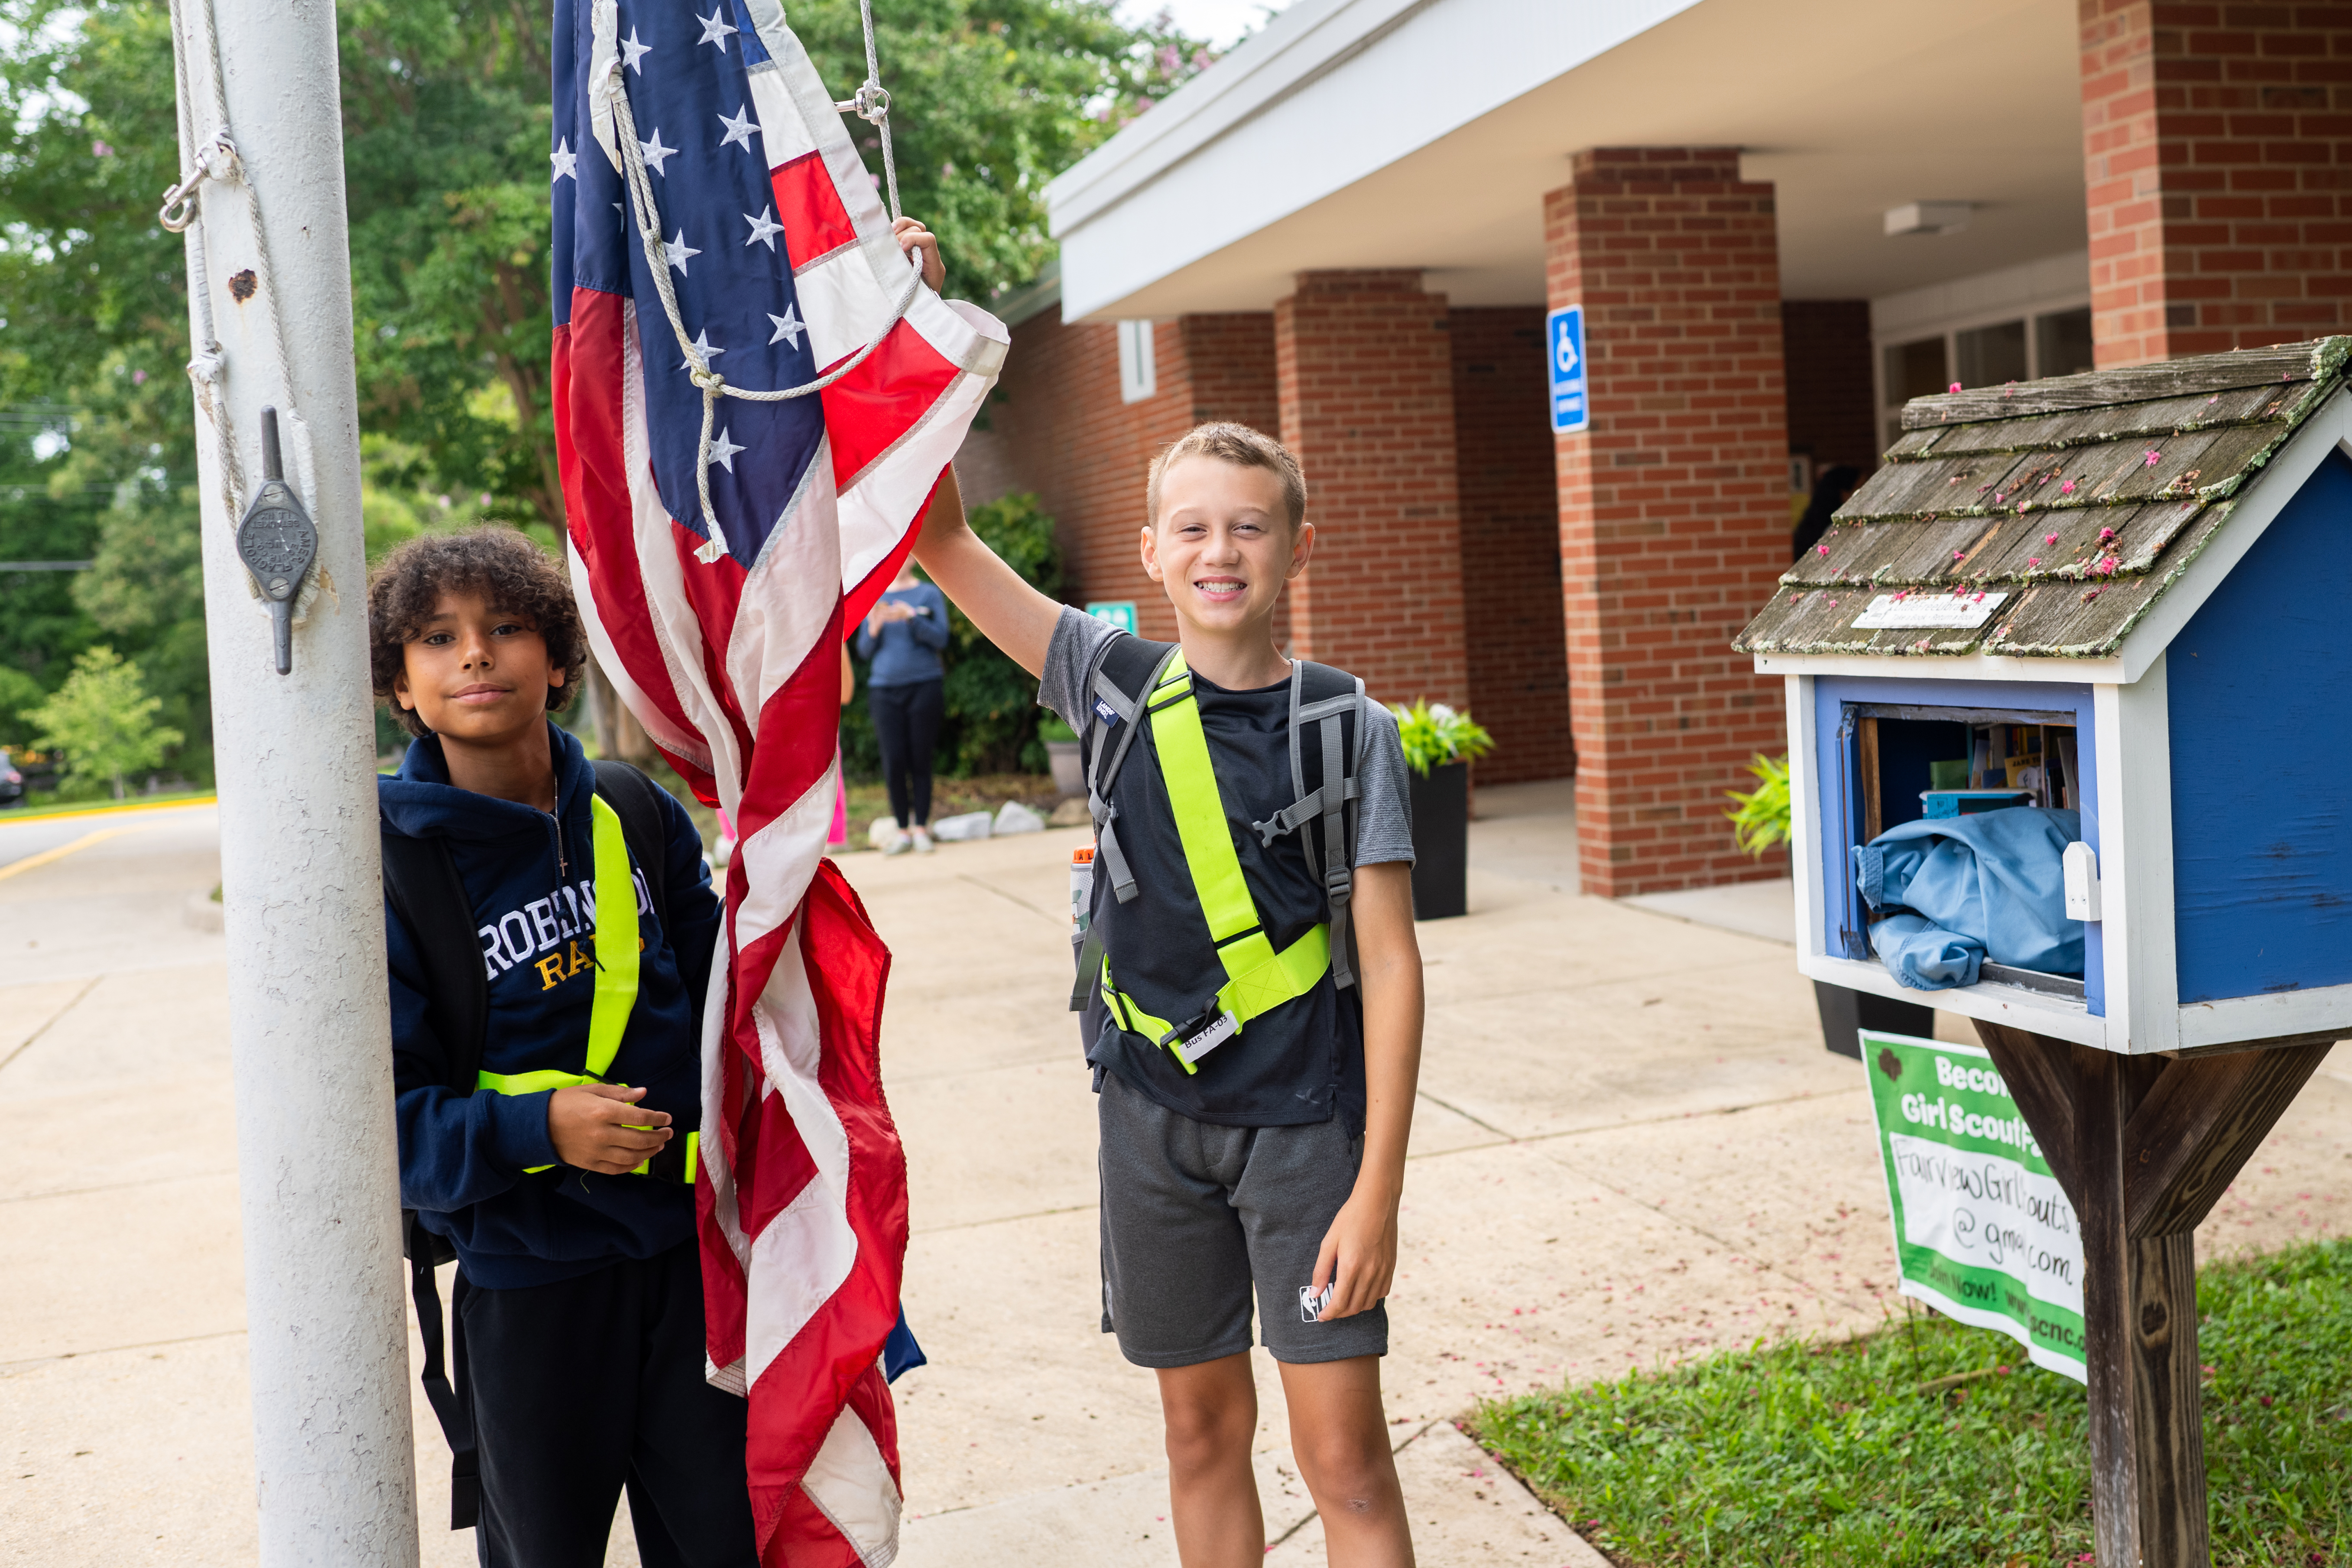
x: 1423, y: 133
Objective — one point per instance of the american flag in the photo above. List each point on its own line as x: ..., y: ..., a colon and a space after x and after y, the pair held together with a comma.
x: 724, y: 642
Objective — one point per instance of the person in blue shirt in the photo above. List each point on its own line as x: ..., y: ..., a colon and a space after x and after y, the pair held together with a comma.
x: 906, y: 693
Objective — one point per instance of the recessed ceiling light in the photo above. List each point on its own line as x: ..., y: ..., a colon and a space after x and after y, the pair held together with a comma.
x: 1928, y: 217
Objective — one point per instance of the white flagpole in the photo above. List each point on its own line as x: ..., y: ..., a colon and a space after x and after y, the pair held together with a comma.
x: 270, y: 311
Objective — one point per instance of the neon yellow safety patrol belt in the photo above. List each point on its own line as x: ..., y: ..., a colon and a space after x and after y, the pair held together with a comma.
x: 1258, y: 979
x: 617, y: 955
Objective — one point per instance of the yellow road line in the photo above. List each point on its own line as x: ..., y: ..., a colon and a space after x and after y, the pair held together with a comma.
x: 32, y: 862
x: 126, y: 809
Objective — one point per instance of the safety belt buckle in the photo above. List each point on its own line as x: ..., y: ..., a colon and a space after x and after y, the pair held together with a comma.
x: 1198, y: 1035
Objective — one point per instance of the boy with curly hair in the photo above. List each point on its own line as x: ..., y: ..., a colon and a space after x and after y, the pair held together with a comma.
x: 561, y: 1173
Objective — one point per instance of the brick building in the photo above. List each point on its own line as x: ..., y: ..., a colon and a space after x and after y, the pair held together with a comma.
x: 1780, y: 220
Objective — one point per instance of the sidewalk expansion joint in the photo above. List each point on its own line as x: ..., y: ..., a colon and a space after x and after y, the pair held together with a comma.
x: 16, y: 1368
x: 1467, y: 1116
x: 1000, y: 1219
x: 116, y: 1186
x: 1060, y: 920
x: 1509, y: 1138
x: 1598, y: 982
x: 26, y: 1044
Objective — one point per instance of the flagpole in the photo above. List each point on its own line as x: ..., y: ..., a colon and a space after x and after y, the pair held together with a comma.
x: 270, y: 316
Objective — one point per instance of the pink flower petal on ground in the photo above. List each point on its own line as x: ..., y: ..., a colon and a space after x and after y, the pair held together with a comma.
x: 2033, y: 560
x: 1960, y: 555
x: 2067, y: 488
x: 2105, y: 534
x: 1956, y: 387
x: 2049, y: 539
x: 1822, y: 548
x: 2154, y: 456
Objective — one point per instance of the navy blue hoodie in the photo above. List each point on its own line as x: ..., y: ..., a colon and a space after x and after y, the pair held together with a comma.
x: 530, y: 878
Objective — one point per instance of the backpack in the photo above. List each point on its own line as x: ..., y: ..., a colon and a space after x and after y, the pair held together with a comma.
x: 1124, y: 670
x: 421, y: 884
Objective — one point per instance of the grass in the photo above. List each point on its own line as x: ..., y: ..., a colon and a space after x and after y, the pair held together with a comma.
x: 51, y: 806
x: 1931, y: 1443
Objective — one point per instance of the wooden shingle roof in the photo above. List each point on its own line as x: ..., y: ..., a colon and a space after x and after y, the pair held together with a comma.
x: 2043, y: 518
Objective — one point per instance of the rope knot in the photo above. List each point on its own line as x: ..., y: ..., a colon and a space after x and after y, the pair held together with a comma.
x: 710, y: 380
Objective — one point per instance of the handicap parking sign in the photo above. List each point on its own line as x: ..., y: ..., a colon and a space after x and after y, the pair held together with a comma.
x: 1564, y: 337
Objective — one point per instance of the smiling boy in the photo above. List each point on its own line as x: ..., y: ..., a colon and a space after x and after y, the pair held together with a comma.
x: 559, y: 1169
x: 1255, y: 1146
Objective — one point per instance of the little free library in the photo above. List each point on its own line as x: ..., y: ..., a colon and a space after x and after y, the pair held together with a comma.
x: 2070, y: 718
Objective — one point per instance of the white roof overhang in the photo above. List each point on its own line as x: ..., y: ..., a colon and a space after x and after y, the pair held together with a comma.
x: 1424, y: 133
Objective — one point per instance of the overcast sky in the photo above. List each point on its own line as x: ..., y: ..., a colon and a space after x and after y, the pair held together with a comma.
x: 1222, y: 22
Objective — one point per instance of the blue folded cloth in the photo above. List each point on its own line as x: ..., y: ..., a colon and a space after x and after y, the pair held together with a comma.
x: 1923, y: 956
x: 1985, y: 888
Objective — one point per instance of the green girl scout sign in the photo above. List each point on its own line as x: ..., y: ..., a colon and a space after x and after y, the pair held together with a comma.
x: 1983, y: 1233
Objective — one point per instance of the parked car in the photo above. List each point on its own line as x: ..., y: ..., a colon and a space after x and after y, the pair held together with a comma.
x: 12, y: 782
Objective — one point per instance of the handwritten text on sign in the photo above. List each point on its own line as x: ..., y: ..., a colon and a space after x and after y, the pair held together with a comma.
x: 1982, y: 1231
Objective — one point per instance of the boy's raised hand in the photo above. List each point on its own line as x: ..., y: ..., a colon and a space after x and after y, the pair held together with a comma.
x: 912, y: 237
x: 599, y: 1127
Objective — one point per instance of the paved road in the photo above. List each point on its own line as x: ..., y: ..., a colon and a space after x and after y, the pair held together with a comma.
x: 114, y: 903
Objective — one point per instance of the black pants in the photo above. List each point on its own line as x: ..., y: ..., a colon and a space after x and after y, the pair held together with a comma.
x: 907, y: 722
x: 580, y: 1387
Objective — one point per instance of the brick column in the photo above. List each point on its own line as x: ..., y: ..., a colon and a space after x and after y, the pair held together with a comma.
x: 1366, y: 380
x: 2217, y: 155
x: 1061, y: 430
x: 1673, y: 517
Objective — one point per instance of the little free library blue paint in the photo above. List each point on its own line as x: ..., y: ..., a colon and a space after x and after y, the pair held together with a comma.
x: 2117, y: 597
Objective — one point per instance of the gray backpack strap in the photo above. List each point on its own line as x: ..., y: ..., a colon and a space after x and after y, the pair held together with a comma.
x: 1329, y: 801
x: 1297, y: 782
x: 1105, y: 772
x: 1338, y: 837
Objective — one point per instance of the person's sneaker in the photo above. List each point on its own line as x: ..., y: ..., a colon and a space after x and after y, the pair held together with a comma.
x: 923, y: 845
x: 899, y: 844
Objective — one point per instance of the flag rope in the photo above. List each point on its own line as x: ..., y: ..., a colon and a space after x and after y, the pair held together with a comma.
x: 183, y: 214
x: 713, y: 384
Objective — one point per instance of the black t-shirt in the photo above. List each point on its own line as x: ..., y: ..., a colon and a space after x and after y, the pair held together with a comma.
x: 1304, y: 1061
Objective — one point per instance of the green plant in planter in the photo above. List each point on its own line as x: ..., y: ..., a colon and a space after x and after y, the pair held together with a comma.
x: 1051, y: 728
x: 1760, y: 820
x: 1435, y: 735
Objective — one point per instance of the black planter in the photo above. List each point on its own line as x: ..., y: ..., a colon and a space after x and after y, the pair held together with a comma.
x: 1845, y: 1014
x: 1441, y: 841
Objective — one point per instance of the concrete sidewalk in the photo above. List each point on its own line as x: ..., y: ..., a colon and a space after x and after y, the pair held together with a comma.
x: 1631, y: 1148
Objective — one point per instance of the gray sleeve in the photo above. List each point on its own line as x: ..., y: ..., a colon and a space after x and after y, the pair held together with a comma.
x: 1060, y: 686
x: 1384, y: 809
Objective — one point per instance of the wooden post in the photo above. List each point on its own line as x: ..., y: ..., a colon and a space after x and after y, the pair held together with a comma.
x: 2144, y: 1147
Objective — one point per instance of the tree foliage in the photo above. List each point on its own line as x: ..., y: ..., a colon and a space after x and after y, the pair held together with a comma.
x: 103, y: 722
x: 445, y: 125
x: 990, y: 720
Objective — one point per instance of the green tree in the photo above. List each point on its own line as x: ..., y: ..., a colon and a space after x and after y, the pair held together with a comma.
x: 989, y: 100
x: 989, y: 724
x: 445, y: 121
x: 103, y: 722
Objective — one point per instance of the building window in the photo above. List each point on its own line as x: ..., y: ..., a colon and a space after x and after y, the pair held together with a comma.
x: 1139, y: 377
x: 2061, y: 342
x: 1989, y: 353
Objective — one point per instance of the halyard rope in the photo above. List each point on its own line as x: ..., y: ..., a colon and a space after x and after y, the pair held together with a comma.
x: 183, y: 214
x: 714, y: 385
x: 871, y: 103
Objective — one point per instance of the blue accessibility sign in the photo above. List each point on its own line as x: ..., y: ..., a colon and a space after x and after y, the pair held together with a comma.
x: 1564, y: 339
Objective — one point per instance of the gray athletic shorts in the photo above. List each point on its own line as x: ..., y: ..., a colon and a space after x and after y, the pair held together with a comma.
x: 1193, y: 1213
